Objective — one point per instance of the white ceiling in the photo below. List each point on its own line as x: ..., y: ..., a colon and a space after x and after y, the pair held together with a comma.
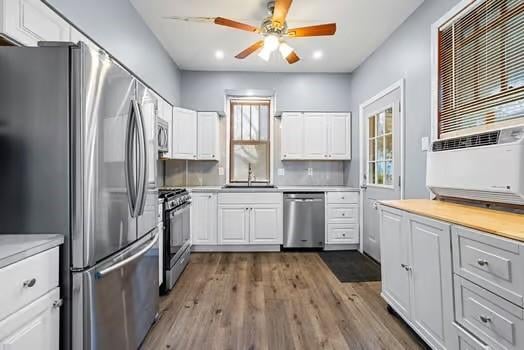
x: 362, y: 25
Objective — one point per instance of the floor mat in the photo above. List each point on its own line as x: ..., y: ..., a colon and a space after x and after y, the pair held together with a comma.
x: 351, y: 266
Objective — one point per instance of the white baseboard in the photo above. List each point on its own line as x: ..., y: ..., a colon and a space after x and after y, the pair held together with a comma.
x: 235, y: 248
x: 328, y: 247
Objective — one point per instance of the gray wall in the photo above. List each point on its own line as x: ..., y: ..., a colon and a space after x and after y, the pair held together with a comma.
x: 405, y: 54
x: 205, y: 91
x: 118, y: 28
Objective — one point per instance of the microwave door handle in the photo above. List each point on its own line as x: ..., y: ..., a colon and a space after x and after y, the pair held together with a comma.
x: 128, y: 164
x: 104, y: 272
x: 142, y: 160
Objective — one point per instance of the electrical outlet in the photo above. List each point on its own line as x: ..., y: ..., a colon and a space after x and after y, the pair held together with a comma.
x: 310, y: 171
x: 281, y: 172
x: 424, y: 143
x: 220, y: 171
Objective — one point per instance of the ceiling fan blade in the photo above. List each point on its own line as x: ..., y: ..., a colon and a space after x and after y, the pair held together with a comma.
x: 234, y: 24
x: 280, y: 12
x: 292, y: 58
x: 250, y: 49
x: 320, y: 30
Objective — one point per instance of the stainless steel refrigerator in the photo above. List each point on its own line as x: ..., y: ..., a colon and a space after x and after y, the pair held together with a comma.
x: 78, y: 157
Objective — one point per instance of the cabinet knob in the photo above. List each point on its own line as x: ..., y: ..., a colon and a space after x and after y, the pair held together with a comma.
x: 213, y: 156
x: 58, y: 303
x: 482, y: 262
x: 405, y: 267
x: 485, y: 319
x: 343, y: 214
x: 29, y: 283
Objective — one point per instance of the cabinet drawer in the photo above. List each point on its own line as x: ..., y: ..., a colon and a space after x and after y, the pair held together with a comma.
x: 493, y: 262
x: 494, y: 320
x: 467, y: 341
x: 27, y: 280
x: 347, y: 214
x: 342, y: 197
x: 250, y: 198
x: 341, y: 233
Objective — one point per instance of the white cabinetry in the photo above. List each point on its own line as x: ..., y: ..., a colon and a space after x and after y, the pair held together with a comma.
x: 204, y: 218
x: 208, y: 138
x: 31, y: 21
x: 184, y: 134
x: 30, y: 303
x: 342, y: 218
x: 316, y: 136
x: 250, y: 218
x: 417, y: 274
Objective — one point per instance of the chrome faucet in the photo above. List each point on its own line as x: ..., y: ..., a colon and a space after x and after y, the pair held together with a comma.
x: 250, y: 174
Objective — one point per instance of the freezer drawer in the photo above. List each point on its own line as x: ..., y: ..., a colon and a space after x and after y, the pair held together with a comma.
x: 116, y: 301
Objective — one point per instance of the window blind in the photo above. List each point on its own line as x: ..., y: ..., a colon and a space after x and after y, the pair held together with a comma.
x: 481, y: 69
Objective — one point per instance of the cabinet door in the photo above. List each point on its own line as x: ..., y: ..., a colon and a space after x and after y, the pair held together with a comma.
x: 395, y: 260
x: 35, y: 326
x: 431, y: 279
x: 184, y: 134
x: 233, y: 224
x: 208, y: 136
x: 31, y: 21
x: 292, y: 136
x: 339, y: 136
x: 266, y: 224
x: 204, y: 218
x: 315, y: 136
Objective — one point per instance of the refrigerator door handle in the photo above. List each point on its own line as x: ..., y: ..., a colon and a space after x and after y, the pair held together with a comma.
x: 128, y: 166
x: 143, y: 161
x: 102, y: 273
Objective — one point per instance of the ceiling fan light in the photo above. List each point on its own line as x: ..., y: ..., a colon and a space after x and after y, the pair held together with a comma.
x: 265, y: 54
x: 285, y: 50
x: 271, y: 42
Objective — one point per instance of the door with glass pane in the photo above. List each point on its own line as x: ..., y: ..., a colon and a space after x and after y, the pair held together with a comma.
x: 381, y: 178
x: 250, y: 142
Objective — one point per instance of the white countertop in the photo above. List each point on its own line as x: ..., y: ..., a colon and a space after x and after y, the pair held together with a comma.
x: 16, y: 247
x: 205, y: 189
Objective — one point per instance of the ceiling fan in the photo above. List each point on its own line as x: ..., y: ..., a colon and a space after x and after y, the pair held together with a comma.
x: 274, y: 30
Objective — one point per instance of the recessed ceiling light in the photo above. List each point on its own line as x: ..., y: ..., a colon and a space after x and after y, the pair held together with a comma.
x: 219, y: 55
x: 318, y: 54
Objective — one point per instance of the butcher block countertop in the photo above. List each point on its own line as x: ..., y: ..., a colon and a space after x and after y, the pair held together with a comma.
x: 497, y: 222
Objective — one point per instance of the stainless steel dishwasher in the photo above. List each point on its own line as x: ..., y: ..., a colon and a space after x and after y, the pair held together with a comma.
x: 304, y: 220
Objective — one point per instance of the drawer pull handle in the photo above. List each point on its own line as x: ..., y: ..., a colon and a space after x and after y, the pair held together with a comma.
x: 482, y: 262
x: 485, y: 319
x: 29, y: 283
x: 406, y: 267
x: 57, y: 303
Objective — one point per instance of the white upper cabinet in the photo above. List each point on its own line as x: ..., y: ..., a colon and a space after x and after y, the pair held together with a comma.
x: 184, y: 134
x: 292, y: 140
x: 208, y: 142
x: 339, y: 136
x: 315, y: 132
x: 31, y: 21
x: 316, y: 136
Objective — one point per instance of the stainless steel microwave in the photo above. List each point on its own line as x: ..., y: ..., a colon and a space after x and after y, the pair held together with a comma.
x: 162, y: 135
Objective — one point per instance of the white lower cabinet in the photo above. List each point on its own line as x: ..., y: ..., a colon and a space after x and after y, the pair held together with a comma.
x: 36, y: 326
x: 204, y: 218
x: 250, y: 219
x: 342, y: 219
x: 417, y: 274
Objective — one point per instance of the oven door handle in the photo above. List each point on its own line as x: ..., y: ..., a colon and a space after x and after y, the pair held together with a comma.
x: 102, y: 273
x: 179, y: 209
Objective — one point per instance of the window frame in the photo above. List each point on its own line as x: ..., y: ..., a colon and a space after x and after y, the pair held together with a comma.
x: 393, y: 159
x: 460, y: 10
x: 248, y: 99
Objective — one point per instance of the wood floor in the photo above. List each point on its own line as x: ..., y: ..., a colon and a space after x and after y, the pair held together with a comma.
x: 273, y: 301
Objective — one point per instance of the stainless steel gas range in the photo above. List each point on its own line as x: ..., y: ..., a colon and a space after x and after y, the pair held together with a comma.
x: 177, y: 234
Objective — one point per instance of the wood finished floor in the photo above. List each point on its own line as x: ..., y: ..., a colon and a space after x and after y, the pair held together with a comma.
x: 273, y: 301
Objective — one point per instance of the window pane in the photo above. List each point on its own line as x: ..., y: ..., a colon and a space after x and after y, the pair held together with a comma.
x: 246, y: 122
x: 264, y: 122
x: 381, y: 125
x: 371, y: 173
x: 257, y: 156
x: 372, y: 150
x: 237, y: 122
x: 380, y: 173
x: 389, y: 146
x: 389, y: 120
x: 371, y: 126
x: 254, y: 123
x: 380, y: 148
x: 389, y: 173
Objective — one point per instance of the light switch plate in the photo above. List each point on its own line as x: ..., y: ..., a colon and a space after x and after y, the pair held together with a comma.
x: 281, y: 172
x: 424, y: 142
x: 220, y: 171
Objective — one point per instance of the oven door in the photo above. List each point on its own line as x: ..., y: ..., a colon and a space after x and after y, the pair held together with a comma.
x: 179, y: 232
